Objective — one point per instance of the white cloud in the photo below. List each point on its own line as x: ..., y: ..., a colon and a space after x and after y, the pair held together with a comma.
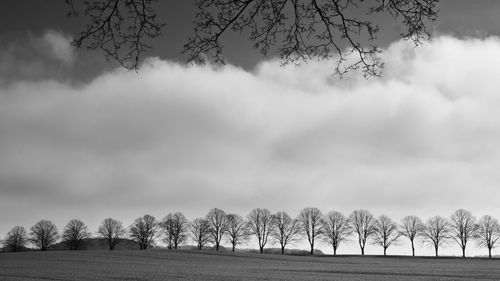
x: 424, y: 139
x: 58, y: 46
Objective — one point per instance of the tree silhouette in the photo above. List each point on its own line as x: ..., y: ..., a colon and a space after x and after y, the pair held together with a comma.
x: 237, y: 230
x: 74, y: 233
x: 436, y: 232
x: 310, y: 221
x: 144, y: 231
x: 363, y: 223
x: 44, y: 234
x: 386, y: 232
x: 411, y: 227
x: 218, y: 225
x: 488, y: 233
x: 463, y: 228
x: 336, y: 228
x: 111, y: 230
x: 15, y: 240
x: 298, y: 30
x: 175, y: 226
x: 200, y: 230
x: 285, y: 230
x: 260, y: 224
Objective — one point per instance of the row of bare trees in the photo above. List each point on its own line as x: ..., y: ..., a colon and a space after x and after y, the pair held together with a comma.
x: 333, y: 228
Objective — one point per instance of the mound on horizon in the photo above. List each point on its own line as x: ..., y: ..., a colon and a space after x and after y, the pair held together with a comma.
x: 99, y: 244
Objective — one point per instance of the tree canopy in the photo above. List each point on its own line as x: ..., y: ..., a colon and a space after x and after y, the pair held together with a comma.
x: 296, y: 30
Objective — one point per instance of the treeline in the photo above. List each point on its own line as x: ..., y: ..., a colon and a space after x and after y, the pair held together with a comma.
x: 280, y: 229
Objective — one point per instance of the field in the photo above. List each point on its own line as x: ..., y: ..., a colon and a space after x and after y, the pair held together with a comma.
x: 186, y: 265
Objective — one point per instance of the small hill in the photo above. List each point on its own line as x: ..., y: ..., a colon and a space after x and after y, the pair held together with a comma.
x: 297, y: 252
x: 99, y: 244
x: 22, y: 249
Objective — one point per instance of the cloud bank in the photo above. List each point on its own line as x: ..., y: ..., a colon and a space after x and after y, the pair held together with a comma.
x: 424, y: 139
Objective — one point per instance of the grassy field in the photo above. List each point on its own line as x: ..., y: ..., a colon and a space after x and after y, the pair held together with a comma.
x: 184, y: 265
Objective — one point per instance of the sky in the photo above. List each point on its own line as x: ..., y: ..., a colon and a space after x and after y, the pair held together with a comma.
x: 83, y: 138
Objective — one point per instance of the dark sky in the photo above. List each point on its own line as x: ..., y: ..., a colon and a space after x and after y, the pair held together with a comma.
x: 83, y: 138
x: 21, y: 18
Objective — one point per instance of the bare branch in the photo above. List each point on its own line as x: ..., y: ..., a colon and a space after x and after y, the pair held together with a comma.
x: 306, y: 29
x: 120, y: 28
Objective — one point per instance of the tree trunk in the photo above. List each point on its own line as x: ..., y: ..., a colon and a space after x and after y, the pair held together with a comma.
x: 463, y: 252
x: 282, y: 250
x: 312, y: 248
x: 234, y: 246
x: 362, y: 251
x: 489, y: 252
x: 412, y: 248
x: 217, y: 246
x: 334, y: 251
x: 261, y: 249
x: 385, y: 251
x: 436, y: 248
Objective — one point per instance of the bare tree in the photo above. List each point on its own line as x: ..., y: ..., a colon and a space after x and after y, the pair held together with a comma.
x: 200, y: 230
x: 463, y: 228
x: 363, y: 223
x: 144, y: 231
x: 44, y: 234
x: 175, y: 227
x: 260, y: 223
x: 298, y: 30
x: 218, y: 225
x: 74, y: 233
x: 16, y: 239
x: 167, y: 226
x: 336, y: 228
x: 386, y: 232
x: 488, y: 233
x: 285, y: 229
x: 411, y: 227
x: 309, y: 221
x: 436, y: 232
x: 237, y: 230
x: 111, y: 230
